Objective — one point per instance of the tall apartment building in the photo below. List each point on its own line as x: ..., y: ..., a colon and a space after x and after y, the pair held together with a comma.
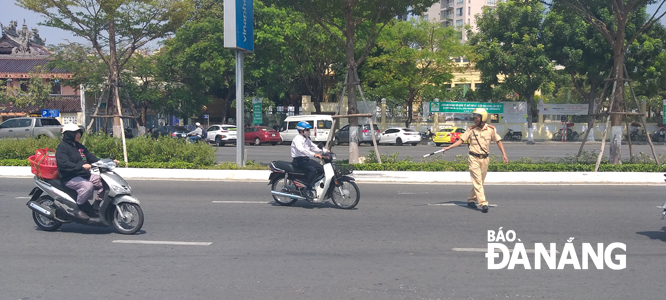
x: 458, y: 13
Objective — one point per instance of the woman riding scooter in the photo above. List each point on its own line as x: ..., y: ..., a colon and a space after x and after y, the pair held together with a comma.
x: 73, y: 160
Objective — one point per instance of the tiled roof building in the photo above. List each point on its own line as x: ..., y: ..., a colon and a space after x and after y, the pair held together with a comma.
x: 22, y: 56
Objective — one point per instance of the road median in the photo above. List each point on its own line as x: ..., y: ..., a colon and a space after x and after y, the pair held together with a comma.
x: 526, y: 178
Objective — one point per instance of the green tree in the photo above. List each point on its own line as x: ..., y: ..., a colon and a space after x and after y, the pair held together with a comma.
x: 415, y: 60
x: 510, y: 43
x: 36, y: 93
x: 646, y: 62
x: 342, y: 19
x: 198, y: 68
x: 583, y: 52
x: 613, y: 20
x: 115, y: 28
x: 143, y: 84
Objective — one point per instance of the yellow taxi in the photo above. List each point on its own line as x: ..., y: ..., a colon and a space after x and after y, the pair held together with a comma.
x: 447, y: 135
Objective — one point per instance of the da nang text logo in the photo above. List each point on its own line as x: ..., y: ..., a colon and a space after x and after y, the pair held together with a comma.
x: 499, y: 256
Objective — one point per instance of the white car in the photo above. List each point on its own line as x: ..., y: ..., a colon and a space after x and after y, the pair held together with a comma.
x: 222, y: 134
x: 400, y: 136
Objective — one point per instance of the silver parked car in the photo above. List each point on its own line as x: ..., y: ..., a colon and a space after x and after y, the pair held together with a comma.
x: 364, y: 134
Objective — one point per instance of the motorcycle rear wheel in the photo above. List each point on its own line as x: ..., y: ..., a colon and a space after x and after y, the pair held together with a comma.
x: 43, y: 222
x: 131, y: 221
x: 279, y: 185
x: 346, y: 195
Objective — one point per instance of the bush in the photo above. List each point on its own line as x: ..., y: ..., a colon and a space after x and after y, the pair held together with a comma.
x: 139, y: 149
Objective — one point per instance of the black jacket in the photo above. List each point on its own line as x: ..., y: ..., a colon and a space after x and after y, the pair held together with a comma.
x: 70, y: 158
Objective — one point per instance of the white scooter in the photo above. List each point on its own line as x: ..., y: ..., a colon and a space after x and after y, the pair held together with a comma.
x: 53, y: 204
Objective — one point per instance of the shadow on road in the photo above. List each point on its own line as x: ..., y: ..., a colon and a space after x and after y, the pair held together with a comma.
x: 456, y: 203
x: 655, y: 235
x: 308, y: 205
x: 84, y: 229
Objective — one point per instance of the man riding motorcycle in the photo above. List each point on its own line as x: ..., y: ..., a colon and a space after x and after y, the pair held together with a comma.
x: 73, y: 161
x: 196, y: 134
x: 302, y: 149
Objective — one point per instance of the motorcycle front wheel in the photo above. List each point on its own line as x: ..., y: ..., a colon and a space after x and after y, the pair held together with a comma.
x: 280, y: 185
x: 346, y: 194
x: 43, y: 222
x: 131, y: 219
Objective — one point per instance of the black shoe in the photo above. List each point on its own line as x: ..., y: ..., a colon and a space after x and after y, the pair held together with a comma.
x: 80, y: 214
x: 484, y: 208
x: 96, y: 206
x: 471, y: 204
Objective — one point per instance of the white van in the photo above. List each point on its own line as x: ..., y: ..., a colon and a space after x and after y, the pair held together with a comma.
x: 321, y: 128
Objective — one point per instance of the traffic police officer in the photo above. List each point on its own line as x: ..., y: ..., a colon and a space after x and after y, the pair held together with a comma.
x: 478, y: 137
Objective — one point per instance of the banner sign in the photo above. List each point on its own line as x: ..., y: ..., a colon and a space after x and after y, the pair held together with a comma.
x: 238, y: 29
x: 515, y: 112
x: 465, y: 107
x: 257, y: 115
x: 563, y: 109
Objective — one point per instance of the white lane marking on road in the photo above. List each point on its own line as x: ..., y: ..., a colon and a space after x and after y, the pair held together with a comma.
x: 162, y: 243
x: 408, y: 193
x: 23, y: 197
x: 243, y: 202
x: 484, y: 250
x: 454, y: 204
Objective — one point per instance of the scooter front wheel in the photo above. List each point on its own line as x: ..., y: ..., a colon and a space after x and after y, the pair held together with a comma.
x: 43, y: 222
x: 127, y: 218
x: 346, y: 194
x: 279, y: 185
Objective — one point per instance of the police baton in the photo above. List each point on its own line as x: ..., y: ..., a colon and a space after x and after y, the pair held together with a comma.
x: 433, y: 153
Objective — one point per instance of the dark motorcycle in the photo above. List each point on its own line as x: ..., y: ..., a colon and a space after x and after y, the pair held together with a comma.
x: 288, y: 183
x: 513, y: 135
x: 659, y: 135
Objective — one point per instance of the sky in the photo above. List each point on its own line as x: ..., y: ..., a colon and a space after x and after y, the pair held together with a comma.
x: 9, y: 11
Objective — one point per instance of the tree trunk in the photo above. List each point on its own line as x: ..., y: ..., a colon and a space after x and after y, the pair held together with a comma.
x: 144, y: 111
x: 352, y: 103
x: 410, y: 109
x: 530, y: 129
x: 615, y: 152
x: 113, y: 78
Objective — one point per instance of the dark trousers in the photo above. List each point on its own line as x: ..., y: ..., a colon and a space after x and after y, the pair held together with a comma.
x: 312, y: 168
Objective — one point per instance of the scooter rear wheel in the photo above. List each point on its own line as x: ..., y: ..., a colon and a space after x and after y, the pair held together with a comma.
x: 279, y: 185
x: 131, y: 220
x: 43, y: 222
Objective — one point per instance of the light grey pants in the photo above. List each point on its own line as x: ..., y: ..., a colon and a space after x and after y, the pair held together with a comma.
x: 84, y: 188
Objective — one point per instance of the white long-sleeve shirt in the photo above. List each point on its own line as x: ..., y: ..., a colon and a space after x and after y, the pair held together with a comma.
x: 198, y: 132
x: 302, y: 146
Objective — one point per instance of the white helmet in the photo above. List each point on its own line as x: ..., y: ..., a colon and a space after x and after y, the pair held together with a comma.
x: 71, y: 127
x: 198, y: 124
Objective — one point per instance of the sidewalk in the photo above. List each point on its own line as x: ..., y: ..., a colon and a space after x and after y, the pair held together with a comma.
x: 493, y: 178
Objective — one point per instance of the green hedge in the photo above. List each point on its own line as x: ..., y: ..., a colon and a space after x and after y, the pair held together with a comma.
x: 139, y: 149
x: 512, y: 167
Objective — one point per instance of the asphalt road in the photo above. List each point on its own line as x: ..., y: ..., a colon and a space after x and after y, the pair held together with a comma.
x: 397, y: 244
x: 515, y: 151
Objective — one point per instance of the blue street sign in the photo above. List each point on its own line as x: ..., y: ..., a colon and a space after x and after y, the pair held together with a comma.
x: 50, y: 113
x: 238, y: 25
x: 206, y: 116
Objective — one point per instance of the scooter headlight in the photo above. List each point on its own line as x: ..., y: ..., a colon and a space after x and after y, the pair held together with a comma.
x: 125, y: 189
